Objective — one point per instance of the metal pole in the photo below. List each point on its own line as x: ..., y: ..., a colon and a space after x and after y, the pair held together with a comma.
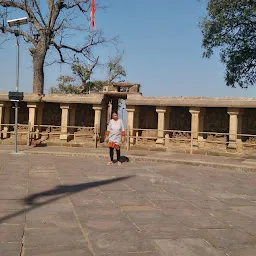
x: 17, y: 89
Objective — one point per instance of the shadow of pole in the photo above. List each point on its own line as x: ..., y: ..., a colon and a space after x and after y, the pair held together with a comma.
x: 60, y: 192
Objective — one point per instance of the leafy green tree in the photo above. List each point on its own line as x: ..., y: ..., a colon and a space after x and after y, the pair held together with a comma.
x: 230, y: 26
x: 80, y: 82
x: 66, y: 85
x: 115, y: 69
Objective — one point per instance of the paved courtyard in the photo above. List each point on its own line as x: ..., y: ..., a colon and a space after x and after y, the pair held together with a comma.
x: 62, y: 206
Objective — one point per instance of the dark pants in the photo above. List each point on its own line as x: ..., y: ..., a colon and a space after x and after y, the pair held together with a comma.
x: 111, y: 152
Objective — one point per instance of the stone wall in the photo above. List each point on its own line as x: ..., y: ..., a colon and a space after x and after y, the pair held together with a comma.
x: 216, y: 120
x: 152, y: 116
x: 249, y: 121
x: 180, y: 119
x: 148, y: 117
x: 52, y: 114
x: 84, y: 115
x: 23, y: 114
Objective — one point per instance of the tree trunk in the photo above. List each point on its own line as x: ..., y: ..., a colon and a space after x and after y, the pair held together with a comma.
x: 38, y: 65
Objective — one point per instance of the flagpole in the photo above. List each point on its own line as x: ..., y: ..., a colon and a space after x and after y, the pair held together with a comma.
x: 89, y: 55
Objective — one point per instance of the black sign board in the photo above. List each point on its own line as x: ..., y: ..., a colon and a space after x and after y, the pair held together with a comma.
x: 17, y: 96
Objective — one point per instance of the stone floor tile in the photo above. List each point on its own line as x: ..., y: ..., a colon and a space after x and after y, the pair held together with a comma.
x: 80, y: 250
x: 10, y: 249
x: 49, y: 237
x: 123, y: 198
x: 120, y: 242
x: 12, y: 217
x: 186, y: 246
x: 53, y: 215
x: 227, y: 238
x: 10, y: 233
x: 150, y: 216
x: 247, y: 250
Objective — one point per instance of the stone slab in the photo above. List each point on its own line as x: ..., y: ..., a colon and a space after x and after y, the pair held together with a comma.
x: 53, y: 237
x: 10, y: 249
x: 120, y: 242
x: 187, y: 246
x: 10, y: 233
x: 51, y: 215
x: 81, y: 250
x: 124, y: 198
x: 176, y: 203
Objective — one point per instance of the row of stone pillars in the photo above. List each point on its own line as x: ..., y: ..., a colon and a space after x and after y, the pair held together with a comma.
x: 68, y: 118
x: 197, y: 124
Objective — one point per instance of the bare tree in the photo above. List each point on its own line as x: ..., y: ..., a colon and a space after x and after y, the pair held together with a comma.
x: 115, y: 69
x: 53, y: 25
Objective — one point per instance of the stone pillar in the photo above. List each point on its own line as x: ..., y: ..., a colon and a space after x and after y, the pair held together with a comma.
x: 131, y: 121
x: 161, y: 125
x: 7, y: 113
x: 1, y: 118
x: 197, y: 124
x: 64, y: 121
x: 32, y: 107
x: 235, y: 126
x: 201, y: 124
x: 72, y: 118
x: 104, y: 120
x: 97, y: 116
x: 39, y: 118
x: 109, y: 112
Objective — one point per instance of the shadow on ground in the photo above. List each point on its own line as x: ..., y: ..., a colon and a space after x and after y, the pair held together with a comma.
x: 59, y: 192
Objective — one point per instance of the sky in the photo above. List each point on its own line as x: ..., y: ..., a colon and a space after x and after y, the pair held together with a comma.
x: 162, y: 51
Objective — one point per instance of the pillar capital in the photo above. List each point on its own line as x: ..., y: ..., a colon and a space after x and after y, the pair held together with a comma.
x: 97, y: 107
x: 235, y: 111
x: 130, y: 108
x: 194, y: 110
x: 2, y: 104
x: 160, y: 109
x: 32, y: 105
x: 64, y: 105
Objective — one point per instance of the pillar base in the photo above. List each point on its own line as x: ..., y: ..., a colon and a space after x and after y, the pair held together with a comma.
x: 132, y: 141
x: 160, y: 142
x: 195, y: 143
x: 232, y: 147
x: 167, y: 139
x: 64, y: 137
x: 6, y: 135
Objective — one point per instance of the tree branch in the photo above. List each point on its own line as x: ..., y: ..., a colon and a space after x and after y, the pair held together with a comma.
x: 39, y: 12
x: 24, y: 34
x: 24, y: 7
x: 59, y: 51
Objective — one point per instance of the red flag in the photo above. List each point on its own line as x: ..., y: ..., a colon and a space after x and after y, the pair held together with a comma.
x: 93, y: 14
